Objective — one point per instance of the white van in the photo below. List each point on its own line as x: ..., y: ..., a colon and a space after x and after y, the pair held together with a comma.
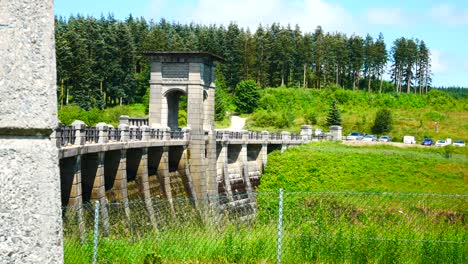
x: 409, y: 140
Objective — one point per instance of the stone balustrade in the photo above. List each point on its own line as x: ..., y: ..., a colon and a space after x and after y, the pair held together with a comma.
x: 133, y: 121
x: 80, y: 134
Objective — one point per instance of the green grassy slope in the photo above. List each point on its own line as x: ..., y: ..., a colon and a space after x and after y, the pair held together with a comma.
x: 336, y: 167
x: 110, y: 115
x: 289, y: 108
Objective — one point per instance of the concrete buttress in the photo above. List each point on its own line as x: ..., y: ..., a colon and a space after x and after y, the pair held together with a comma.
x: 99, y: 192
x: 121, y: 185
x: 143, y: 185
x: 164, y: 177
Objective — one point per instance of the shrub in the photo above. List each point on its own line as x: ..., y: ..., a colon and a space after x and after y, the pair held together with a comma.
x: 221, y: 103
x: 311, y: 118
x: 447, y: 151
x: 69, y: 113
x: 72, y: 112
x: 112, y: 114
x: 145, y: 100
x: 334, y: 87
x: 343, y: 96
x: 94, y: 116
x: 182, y: 122
x: 268, y: 102
x: 334, y: 115
x: 440, y: 100
x: 382, y: 122
x: 434, y: 116
x: 246, y: 96
x: 265, y: 118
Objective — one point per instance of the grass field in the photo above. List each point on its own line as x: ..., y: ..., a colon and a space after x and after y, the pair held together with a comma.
x: 337, y: 167
x: 318, y: 227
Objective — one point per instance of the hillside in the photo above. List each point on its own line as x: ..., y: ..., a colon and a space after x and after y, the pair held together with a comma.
x: 289, y: 108
x: 336, y: 167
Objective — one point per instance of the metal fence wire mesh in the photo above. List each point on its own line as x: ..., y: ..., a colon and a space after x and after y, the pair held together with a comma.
x: 316, y: 227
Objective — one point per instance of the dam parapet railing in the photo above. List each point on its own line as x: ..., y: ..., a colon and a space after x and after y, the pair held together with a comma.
x: 131, y: 130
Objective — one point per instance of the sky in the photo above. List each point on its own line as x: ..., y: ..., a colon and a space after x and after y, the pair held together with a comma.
x: 443, y: 25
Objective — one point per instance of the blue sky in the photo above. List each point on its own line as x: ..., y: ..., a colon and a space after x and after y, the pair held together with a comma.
x: 443, y: 25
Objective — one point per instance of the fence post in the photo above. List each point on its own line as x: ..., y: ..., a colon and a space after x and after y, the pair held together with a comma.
x: 123, y: 129
x: 103, y: 132
x: 96, y: 230
x: 280, y: 226
x: 80, y: 135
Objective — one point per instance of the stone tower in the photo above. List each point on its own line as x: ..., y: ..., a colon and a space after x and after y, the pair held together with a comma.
x: 191, y: 74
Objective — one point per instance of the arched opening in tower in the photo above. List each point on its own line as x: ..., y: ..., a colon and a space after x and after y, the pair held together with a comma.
x: 177, y: 109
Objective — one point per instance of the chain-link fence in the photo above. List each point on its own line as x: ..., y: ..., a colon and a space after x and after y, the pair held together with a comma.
x: 316, y: 227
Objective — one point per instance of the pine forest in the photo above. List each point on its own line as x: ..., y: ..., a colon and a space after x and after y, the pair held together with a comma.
x: 100, y: 62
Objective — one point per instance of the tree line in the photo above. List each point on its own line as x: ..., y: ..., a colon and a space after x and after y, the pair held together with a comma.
x: 100, y: 61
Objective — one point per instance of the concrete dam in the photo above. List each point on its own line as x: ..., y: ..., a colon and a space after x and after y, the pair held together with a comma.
x: 154, y: 158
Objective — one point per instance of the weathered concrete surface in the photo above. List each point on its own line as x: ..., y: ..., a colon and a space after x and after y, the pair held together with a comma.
x: 30, y: 222
x: 27, y: 64
x: 30, y: 215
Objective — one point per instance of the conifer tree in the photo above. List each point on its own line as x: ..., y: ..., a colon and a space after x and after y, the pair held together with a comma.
x: 234, y: 46
x: 399, y: 62
x: 382, y: 122
x: 423, y: 68
x: 369, y: 60
x: 246, y: 96
x: 318, y: 50
x: 356, y: 51
x: 380, y: 59
x: 334, y: 115
x: 411, y: 56
x: 262, y: 56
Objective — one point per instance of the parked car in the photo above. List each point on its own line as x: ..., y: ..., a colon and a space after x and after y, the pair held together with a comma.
x: 318, y: 132
x: 385, y: 139
x: 427, y: 142
x: 409, y: 140
x: 441, y: 143
x: 355, y: 136
x: 459, y: 143
x: 369, y: 138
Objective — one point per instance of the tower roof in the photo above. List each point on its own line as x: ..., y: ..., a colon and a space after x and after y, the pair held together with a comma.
x: 184, y: 54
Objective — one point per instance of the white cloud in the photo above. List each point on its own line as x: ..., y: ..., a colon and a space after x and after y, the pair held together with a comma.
x: 448, y: 14
x: 438, y: 63
x: 308, y: 14
x: 386, y: 16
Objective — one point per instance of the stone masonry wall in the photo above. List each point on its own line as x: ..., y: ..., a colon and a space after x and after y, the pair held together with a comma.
x: 30, y: 215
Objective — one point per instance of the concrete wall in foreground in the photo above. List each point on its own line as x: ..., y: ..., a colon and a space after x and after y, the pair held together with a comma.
x: 30, y: 215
